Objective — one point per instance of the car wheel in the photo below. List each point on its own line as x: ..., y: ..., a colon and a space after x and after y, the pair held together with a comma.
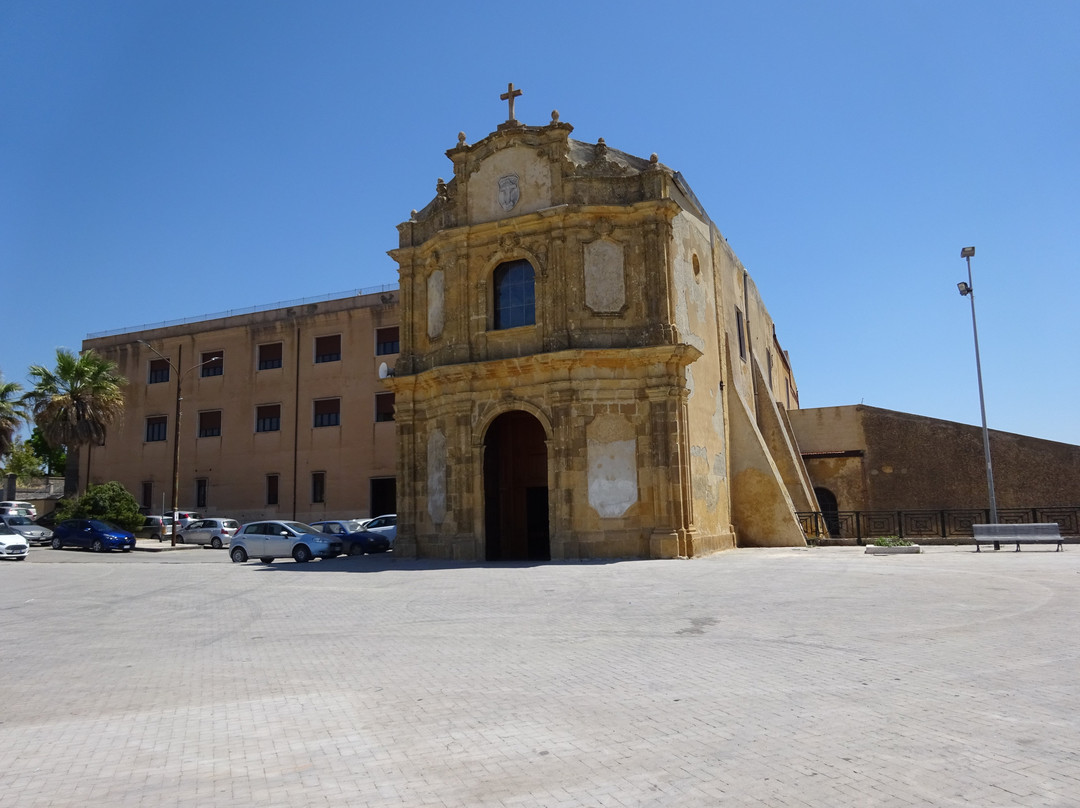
x: 301, y: 554
x: 57, y: 544
x: 98, y: 546
x: 355, y: 549
x: 215, y: 543
x: 156, y: 537
x: 267, y: 559
x: 238, y: 555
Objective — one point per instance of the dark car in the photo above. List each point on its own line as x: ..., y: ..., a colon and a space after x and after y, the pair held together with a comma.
x: 354, y: 539
x: 97, y: 535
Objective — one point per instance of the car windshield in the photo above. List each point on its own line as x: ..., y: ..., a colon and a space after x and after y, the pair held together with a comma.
x: 354, y: 525
x: 19, y: 520
x: 298, y: 527
x: 230, y: 523
x: 99, y: 525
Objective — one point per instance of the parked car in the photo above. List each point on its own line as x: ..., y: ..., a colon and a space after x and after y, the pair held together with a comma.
x: 93, y: 533
x: 12, y: 544
x: 385, y: 524
x: 215, y: 532
x: 156, y: 528
x: 8, y: 504
x: 354, y: 539
x: 25, y: 526
x: 184, y: 518
x: 48, y: 521
x: 269, y: 540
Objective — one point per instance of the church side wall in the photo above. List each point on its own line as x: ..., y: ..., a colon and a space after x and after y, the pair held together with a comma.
x: 696, y: 273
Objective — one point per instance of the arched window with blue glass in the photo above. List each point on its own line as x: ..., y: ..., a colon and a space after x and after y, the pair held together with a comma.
x: 515, y: 295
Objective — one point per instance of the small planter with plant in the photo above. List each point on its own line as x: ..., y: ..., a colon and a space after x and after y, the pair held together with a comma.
x: 891, y: 545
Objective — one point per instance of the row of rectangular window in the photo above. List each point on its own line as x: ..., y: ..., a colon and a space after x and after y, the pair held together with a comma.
x: 326, y: 412
x: 271, y: 355
x: 202, y: 486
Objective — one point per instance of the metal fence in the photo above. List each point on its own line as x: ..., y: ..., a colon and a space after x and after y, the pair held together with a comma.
x: 929, y: 524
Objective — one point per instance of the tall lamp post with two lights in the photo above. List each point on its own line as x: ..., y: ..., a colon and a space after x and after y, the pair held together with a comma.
x: 968, y: 290
x: 176, y: 425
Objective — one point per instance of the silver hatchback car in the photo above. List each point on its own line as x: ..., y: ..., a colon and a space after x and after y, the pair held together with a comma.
x: 215, y: 532
x: 269, y: 540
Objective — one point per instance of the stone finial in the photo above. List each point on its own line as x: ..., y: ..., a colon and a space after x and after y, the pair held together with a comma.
x: 653, y: 158
x: 412, y: 215
x: 461, y: 138
x: 601, y: 147
x: 554, y: 116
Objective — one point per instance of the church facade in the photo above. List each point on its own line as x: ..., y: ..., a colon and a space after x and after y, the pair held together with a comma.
x: 586, y: 369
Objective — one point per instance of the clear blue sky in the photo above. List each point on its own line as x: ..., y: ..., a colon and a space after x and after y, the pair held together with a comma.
x: 161, y: 160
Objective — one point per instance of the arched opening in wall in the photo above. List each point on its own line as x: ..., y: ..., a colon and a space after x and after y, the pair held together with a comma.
x: 829, y: 511
x: 515, y: 489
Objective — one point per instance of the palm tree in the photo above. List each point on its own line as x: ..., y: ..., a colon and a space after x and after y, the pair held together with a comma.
x: 12, y: 413
x: 74, y: 404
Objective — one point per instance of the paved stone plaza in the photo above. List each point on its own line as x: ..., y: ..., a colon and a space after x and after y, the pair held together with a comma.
x: 821, y: 677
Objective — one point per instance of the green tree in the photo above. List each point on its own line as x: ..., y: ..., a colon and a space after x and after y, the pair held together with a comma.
x: 22, y: 462
x: 75, y: 403
x: 54, y: 460
x: 109, y: 502
x: 12, y: 413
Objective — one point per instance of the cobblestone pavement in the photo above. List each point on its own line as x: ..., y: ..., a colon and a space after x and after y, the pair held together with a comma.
x: 819, y: 677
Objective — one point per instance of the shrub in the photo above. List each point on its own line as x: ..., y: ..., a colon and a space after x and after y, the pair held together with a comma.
x: 891, y: 541
x: 109, y: 502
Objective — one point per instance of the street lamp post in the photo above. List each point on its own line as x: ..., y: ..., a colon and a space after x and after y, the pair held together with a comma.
x: 968, y: 290
x: 176, y: 425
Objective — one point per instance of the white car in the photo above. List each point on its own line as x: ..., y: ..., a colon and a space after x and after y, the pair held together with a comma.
x: 269, y: 540
x: 12, y: 545
x: 215, y: 532
x: 14, y: 506
x: 25, y: 527
x: 385, y: 524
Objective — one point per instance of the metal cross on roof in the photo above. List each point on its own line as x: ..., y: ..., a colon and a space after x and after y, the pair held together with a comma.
x: 510, y: 95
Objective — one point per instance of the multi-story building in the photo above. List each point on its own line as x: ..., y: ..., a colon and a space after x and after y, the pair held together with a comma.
x: 283, y: 411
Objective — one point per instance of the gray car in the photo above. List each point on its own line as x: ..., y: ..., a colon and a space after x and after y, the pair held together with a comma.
x: 215, y: 532
x: 27, y: 528
x: 269, y: 540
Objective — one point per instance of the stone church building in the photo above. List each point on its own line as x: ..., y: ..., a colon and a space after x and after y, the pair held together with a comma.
x: 586, y: 369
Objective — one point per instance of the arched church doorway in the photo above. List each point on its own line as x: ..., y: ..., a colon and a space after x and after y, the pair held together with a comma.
x: 515, y: 489
x: 829, y: 511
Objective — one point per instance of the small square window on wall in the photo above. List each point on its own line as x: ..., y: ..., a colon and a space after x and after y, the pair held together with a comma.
x: 270, y: 356
x: 327, y: 412
x: 741, y: 332
x: 328, y: 349
x: 210, y: 424
x: 387, y: 341
x: 159, y: 371
x: 268, y: 418
x: 384, y: 406
x: 271, y: 489
x: 213, y: 363
x: 156, y: 428
x: 318, y: 486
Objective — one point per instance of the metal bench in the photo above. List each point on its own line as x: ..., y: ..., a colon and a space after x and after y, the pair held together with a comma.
x: 1035, y: 533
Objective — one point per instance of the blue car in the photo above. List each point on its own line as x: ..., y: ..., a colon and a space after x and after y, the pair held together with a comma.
x: 97, y: 535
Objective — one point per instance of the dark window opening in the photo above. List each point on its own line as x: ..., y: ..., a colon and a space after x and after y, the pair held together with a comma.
x: 387, y: 341
x: 514, y: 295
x: 318, y: 486
x: 327, y: 412
x: 213, y: 363
x: 148, y: 495
x: 156, y: 427
x: 159, y: 371
x: 201, y: 485
x: 384, y: 407
x: 271, y: 489
x: 268, y: 418
x: 270, y: 356
x: 210, y: 424
x: 742, y: 334
x: 328, y: 349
